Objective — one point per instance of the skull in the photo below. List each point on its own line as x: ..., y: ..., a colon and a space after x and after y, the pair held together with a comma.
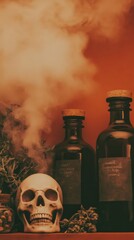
x: 39, y: 203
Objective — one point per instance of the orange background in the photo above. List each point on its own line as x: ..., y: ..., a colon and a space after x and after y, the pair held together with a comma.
x: 114, y: 60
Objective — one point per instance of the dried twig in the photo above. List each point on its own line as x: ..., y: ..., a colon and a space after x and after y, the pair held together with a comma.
x: 82, y: 221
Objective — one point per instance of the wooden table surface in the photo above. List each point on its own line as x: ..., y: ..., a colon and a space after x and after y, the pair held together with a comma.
x: 67, y: 236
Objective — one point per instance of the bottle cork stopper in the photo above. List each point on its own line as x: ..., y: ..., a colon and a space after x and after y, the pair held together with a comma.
x: 119, y: 93
x: 73, y: 112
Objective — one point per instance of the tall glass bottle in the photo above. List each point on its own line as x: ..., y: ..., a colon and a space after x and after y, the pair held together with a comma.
x: 115, y: 161
x: 74, y: 165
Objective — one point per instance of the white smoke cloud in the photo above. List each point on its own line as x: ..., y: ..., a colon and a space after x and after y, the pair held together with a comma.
x: 42, y: 57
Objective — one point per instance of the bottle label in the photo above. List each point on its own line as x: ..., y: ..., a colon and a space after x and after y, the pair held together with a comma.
x: 115, y: 182
x: 68, y: 175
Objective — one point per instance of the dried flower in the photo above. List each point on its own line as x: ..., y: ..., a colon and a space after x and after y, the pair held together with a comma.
x: 82, y: 221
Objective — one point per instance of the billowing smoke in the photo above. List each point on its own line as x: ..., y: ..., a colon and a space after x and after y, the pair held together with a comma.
x: 42, y: 60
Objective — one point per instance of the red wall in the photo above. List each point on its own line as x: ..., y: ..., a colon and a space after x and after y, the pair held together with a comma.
x: 115, y: 63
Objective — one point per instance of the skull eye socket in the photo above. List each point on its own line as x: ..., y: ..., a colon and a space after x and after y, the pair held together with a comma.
x: 52, y: 195
x: 28, y: 196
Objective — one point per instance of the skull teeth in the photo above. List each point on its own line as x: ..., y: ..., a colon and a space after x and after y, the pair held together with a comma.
x: 40, y: 217
x: 41, y: 221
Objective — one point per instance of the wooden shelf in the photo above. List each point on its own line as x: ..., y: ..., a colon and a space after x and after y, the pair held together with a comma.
x: 68, y: 236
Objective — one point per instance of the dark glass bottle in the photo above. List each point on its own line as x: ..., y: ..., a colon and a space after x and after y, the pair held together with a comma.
x: 115, y: 161
x: 74, y: 165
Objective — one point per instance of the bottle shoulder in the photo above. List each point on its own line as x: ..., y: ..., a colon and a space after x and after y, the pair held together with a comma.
x: 77, y: 151
x: 73, y: 146
x: 123, y: 131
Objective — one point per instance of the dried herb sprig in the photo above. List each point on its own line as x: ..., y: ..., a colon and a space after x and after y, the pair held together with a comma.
x: 14, y: 167
x: 82, y: 221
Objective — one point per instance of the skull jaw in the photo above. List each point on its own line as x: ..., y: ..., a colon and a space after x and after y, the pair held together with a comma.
x: 46, y: 228
x: 41, y: 227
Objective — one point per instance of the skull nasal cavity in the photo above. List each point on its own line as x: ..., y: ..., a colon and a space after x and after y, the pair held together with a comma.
x: 40, y: 201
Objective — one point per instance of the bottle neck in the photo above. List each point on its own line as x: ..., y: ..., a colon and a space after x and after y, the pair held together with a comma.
x: 119, y: 111
x: 73, y: 128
